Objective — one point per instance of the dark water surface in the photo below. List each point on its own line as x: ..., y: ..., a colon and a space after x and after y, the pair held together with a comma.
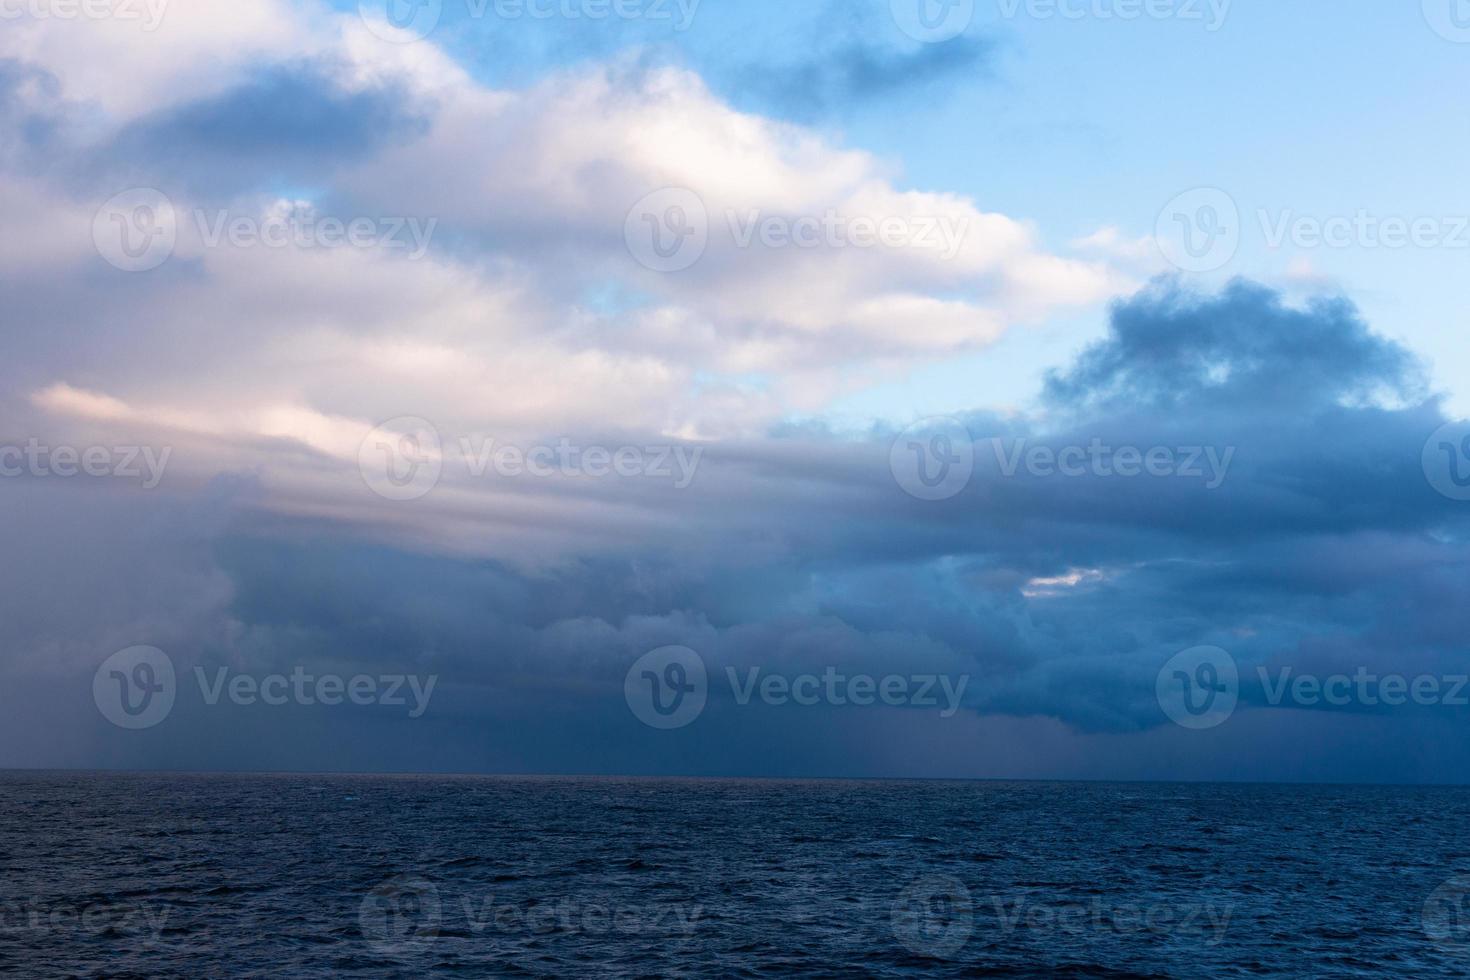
x: 308, y: 876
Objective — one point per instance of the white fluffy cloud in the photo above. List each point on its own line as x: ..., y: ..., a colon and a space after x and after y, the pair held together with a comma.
x: 504, y: 327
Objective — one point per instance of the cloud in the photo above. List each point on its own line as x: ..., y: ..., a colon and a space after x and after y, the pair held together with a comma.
x: 114, y: 63
x: 1245, y: 348
x: 858, y: 72
x: 291, y: 123
x: 1058, y: 596
x: 529, y: 321
x: 527, y: 193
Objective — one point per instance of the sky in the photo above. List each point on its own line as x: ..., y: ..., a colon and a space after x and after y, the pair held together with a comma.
x: 1049, y: 389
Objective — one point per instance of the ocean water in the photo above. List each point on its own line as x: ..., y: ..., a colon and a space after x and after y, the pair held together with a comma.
x: 306, y: 876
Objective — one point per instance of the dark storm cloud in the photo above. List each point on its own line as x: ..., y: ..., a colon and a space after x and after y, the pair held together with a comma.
x: 1243, y: 350
x: 1058, y: 597
x: 813, y: 541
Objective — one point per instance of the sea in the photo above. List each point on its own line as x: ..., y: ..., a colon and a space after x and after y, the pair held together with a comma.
x: 286, y: 876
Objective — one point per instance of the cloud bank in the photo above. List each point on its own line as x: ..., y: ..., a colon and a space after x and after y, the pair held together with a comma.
x: 1289, y: 520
